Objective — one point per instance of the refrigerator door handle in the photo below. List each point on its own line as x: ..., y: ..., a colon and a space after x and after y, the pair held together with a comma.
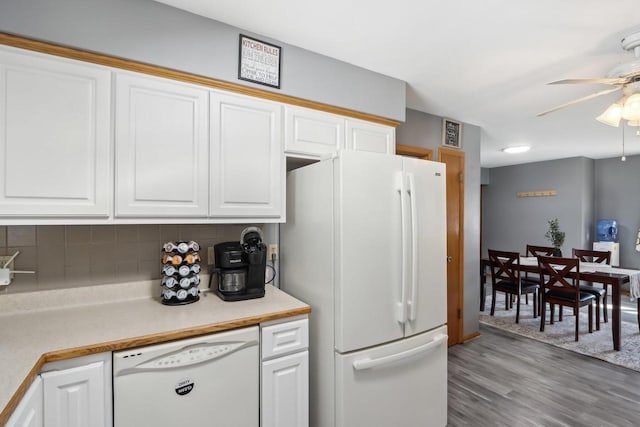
x: 368, y: 363
x: 401, y: 307
x: 413, y: 302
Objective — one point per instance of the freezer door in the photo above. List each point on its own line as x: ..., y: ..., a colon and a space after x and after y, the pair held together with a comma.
x: 398, y: 384
x: 368, y: 256
x: 426, y: 292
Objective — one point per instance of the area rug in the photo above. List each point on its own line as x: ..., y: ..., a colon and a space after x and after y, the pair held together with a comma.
x: 598, y: 344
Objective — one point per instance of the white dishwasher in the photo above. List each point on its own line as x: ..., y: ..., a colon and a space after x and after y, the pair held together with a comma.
x: 212, y: 380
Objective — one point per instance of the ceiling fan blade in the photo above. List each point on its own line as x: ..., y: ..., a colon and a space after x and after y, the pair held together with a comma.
x: 605, y: 81
x: 584, y: 98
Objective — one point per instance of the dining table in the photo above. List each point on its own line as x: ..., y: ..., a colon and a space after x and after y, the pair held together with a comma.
x: 590, y: 272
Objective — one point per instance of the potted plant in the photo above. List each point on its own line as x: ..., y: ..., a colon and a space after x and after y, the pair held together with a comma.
x: 555, y: 236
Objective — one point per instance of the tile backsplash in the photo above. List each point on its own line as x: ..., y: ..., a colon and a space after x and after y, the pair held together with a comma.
x: 65, y: 256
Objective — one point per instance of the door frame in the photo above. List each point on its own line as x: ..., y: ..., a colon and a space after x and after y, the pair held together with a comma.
x: 411, y: 151
x: 458, y: 153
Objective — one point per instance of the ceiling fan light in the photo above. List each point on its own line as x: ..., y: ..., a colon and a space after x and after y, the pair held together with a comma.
x: 633, y: 123
x: 611, y: 115
x: 631, y: 109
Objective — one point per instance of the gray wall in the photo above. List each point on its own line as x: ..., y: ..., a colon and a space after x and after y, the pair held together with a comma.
x: 151, y: 32
x: 617, y: 196
x: 425, y: 130
x: 511, y: 222
x: 485, y: 176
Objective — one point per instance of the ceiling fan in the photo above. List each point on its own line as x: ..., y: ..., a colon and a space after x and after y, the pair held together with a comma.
x: 625, y: 77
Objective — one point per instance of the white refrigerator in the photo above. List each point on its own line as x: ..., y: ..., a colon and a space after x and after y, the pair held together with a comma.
x: 365, y: 246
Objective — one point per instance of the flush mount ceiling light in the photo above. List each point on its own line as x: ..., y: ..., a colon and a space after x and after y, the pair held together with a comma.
x: 625, y: 77
x: 517, y: 149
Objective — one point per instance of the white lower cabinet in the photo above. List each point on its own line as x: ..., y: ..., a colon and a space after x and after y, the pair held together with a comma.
x: 29, y: 411
x: 284, y: 390
x: 77, y: 392
x: 69, y: 393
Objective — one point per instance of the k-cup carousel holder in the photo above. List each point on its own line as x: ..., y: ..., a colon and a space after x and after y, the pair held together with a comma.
x: 180, y: 273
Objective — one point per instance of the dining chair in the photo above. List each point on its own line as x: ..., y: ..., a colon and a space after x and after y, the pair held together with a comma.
x: 560, y: 278
x: 533, y: 250
x: 505, y: 277
x: 603, y: 257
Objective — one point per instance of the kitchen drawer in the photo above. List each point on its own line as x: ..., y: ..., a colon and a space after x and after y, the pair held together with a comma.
x: 284, y: 338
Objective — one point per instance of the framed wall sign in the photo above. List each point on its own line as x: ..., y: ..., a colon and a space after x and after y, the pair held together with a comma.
x: 259, y: 62
x: 451, y: 133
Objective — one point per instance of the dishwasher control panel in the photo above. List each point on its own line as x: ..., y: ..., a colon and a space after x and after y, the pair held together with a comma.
x: 182, y: 353
x: 190, y: 356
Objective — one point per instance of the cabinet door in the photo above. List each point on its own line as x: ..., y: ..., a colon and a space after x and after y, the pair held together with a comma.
x: 75, y: 397
x: 161, y: 148
x: 285, y: 391
x: 367, y: 136
x: 312, y: 133
x: 29, y: 411
x: 247, y: 167
x: 55, y: 136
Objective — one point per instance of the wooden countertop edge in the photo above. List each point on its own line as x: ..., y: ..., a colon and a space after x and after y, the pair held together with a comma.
x: 57, y: 355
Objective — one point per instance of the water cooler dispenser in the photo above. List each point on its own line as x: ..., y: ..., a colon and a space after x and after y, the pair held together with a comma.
x: 607, y: 239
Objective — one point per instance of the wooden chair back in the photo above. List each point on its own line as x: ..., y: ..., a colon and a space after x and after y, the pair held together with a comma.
x: 560, y: 288
x: 505, y: 266
x: 540, y: 250
x: 554, y: 274
x: 586, y: 255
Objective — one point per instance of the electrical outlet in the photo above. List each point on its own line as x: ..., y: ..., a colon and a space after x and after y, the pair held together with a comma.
x: 273, y: 250
x: 210, y: 256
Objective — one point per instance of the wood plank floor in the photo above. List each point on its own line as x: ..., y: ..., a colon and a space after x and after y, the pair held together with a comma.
x: 502, y: 379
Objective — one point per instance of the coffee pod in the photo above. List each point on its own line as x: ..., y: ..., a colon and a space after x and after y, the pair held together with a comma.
x: 169, y: 270
x: 168, y: 294
x: 169, y: 281
x: 184, y: 270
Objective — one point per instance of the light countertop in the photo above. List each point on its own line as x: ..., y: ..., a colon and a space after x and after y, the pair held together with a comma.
x: 45, y: 326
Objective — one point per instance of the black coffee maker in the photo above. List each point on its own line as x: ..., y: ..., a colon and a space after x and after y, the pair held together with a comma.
x: 240, y: 266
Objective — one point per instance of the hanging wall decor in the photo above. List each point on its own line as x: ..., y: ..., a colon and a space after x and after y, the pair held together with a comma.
x: 259, y: 62
x: 451, y: 133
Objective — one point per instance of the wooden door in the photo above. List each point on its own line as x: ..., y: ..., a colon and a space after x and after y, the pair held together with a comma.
x: 455, y: 241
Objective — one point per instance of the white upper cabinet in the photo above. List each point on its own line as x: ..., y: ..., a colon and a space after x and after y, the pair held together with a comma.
x: 247, y: 160
x: 367, y: 136
x: 312, y: 133
x: 162, y: 129
x: 55, y: 136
